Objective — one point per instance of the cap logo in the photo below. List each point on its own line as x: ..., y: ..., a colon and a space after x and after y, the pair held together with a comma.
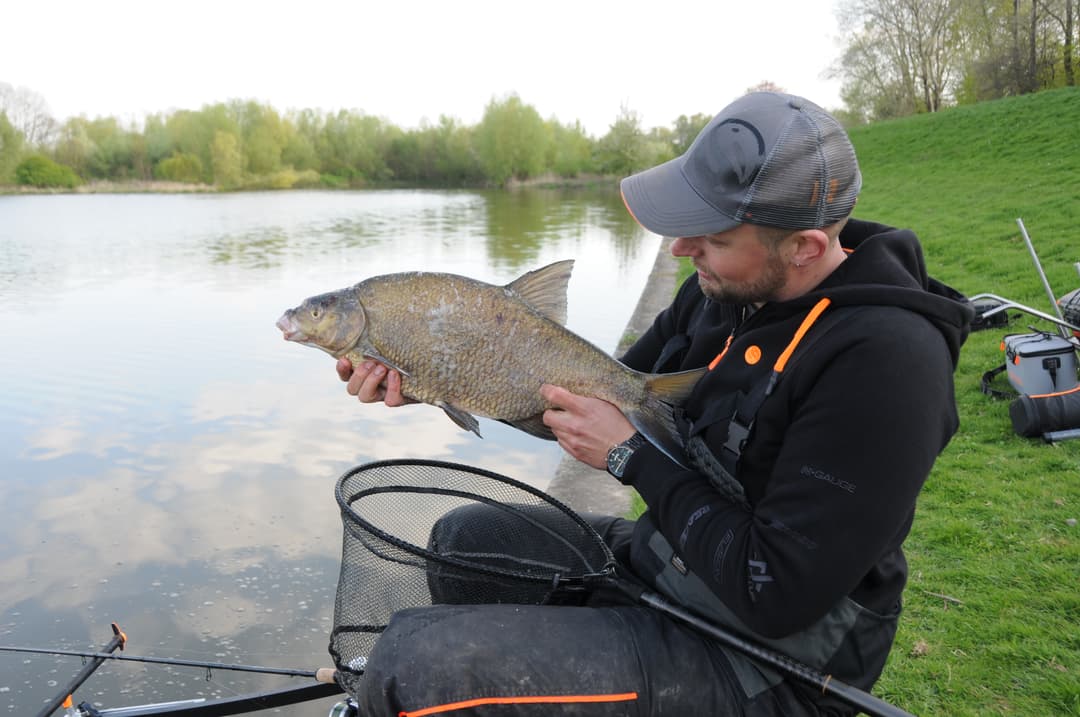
x: 740, y: 143
x: 834, y: 186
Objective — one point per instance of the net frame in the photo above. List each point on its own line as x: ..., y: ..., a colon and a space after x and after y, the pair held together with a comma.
x: 362, y: 610
x: 345, y: 504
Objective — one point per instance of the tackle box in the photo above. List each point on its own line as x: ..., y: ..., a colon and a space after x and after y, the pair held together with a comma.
x: 1039, y: 363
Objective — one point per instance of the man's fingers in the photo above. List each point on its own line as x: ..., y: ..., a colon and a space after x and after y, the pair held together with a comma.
x: 344, y: 369
x: 365, y: 380
x: 558, y: 396
x: 393, y: 395
x: 371, y: 388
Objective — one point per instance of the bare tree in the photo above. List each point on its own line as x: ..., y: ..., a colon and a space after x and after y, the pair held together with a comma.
x: 872, y: 89
x: 1064, y: 13
x: 28, y: 112
x: 1019, y: 46
x: 765, y: 86
x: 1023, y: 61
x: 904, y: 55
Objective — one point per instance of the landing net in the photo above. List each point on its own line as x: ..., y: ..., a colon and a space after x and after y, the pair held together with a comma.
x: 420, y: 533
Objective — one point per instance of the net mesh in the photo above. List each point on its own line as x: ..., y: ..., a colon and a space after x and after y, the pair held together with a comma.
x: 1070, y: 308
x: 420, y: 533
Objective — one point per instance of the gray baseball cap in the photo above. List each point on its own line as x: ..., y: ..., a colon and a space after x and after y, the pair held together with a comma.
x: 768, y: 158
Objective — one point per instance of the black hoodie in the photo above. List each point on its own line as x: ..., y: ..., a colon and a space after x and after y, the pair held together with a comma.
x: 839, y: 451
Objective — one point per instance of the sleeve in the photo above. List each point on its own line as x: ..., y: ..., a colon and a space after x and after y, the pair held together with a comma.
x: 833, y: 470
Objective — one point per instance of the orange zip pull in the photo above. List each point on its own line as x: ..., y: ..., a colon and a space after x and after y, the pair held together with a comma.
x: 727, y: 345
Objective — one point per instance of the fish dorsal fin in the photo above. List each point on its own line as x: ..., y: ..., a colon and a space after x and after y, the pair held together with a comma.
x: 545, y: 289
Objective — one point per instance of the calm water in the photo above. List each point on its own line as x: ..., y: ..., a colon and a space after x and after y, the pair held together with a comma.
x: 167, y: 461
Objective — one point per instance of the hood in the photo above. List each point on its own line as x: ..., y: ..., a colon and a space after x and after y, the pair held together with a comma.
x: 886, y: 267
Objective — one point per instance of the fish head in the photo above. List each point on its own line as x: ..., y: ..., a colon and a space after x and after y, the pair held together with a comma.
x: 333, y: 322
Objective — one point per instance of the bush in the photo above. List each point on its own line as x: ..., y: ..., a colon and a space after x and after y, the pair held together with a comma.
x: 333, y: 181
x: 40, y: 171
x: 281, y: 179
x: 180, y: 167
x: 307, y: 179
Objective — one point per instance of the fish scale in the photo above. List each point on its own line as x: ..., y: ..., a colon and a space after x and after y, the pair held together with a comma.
x: 430, y: 329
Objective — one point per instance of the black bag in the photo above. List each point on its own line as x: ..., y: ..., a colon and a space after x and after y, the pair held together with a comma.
x: 983, y: 306
x: 1070, y: 308
x: 1033, y: 416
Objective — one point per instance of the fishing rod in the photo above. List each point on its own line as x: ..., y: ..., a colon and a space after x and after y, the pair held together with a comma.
x: 177, y: 662
x: 828, y: 685
x: 325, y: 684
x: 64, y: 696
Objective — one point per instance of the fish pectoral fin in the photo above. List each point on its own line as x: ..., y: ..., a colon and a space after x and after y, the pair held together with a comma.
x: 533, y: 425
x: 545, y: 289
x: 372, y: 352
x: 462, y: 418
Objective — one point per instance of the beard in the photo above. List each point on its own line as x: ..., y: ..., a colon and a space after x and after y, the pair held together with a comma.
x: 764, y: 288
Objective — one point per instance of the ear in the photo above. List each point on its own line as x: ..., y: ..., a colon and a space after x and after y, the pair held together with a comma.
x: 808, y: 245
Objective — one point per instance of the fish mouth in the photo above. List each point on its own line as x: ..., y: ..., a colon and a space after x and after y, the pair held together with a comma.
x: 289, y: 330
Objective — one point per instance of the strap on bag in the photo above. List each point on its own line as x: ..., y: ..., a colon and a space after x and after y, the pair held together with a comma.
x: 988, y: 378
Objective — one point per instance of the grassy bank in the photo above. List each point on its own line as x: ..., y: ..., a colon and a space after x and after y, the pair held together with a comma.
x: 991, y: 624
x: 992, y: 609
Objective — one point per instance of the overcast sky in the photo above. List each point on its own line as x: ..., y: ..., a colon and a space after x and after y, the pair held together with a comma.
x: 410, y: 61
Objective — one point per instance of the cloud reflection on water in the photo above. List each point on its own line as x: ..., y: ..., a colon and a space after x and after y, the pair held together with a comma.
x: 241, y: 484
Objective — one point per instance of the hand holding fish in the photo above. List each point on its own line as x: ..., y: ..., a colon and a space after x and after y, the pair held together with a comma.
x: 372, y: 382
x: 585, y: 427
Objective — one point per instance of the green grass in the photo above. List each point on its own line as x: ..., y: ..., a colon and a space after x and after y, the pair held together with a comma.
x: 991, y: 622
x: 990, y: 532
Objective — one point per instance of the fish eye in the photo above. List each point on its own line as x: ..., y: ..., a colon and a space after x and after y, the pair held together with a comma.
x: 315, y: 313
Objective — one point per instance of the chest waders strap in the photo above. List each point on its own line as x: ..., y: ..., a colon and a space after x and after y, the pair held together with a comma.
x: 721, y: 469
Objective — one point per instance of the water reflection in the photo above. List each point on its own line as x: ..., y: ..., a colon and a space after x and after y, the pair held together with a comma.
x: 256, y: 250
x: 168, y: 462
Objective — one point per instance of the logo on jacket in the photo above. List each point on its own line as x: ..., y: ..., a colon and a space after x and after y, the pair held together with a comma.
x: 759, y: 575
x: 694, y: 517
x: 818, y: 474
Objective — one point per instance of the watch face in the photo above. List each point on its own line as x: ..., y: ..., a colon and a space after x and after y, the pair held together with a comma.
x: 617, y: 458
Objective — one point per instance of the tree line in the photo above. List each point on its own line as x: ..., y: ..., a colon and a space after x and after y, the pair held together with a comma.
x: 900, y: 57
x: 907, y: 56
x: 245, y: 144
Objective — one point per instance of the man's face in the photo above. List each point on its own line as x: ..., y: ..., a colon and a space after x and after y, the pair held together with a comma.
x: 735, y: 266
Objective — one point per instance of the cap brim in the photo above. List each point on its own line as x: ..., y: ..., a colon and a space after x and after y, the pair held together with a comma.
x: 662, y: 201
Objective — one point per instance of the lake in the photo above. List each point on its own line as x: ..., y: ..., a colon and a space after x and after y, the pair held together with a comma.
x: 168, y: 462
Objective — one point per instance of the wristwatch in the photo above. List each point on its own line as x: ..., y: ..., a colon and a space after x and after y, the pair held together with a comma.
x: 619, y: 455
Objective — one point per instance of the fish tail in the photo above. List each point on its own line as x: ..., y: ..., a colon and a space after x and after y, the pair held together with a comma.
x: 655, y: 417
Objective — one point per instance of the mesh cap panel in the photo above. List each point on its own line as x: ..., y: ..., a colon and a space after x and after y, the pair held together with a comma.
x: 810, y: 180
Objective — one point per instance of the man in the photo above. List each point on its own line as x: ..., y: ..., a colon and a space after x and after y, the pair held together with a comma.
x: 828, y: 398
